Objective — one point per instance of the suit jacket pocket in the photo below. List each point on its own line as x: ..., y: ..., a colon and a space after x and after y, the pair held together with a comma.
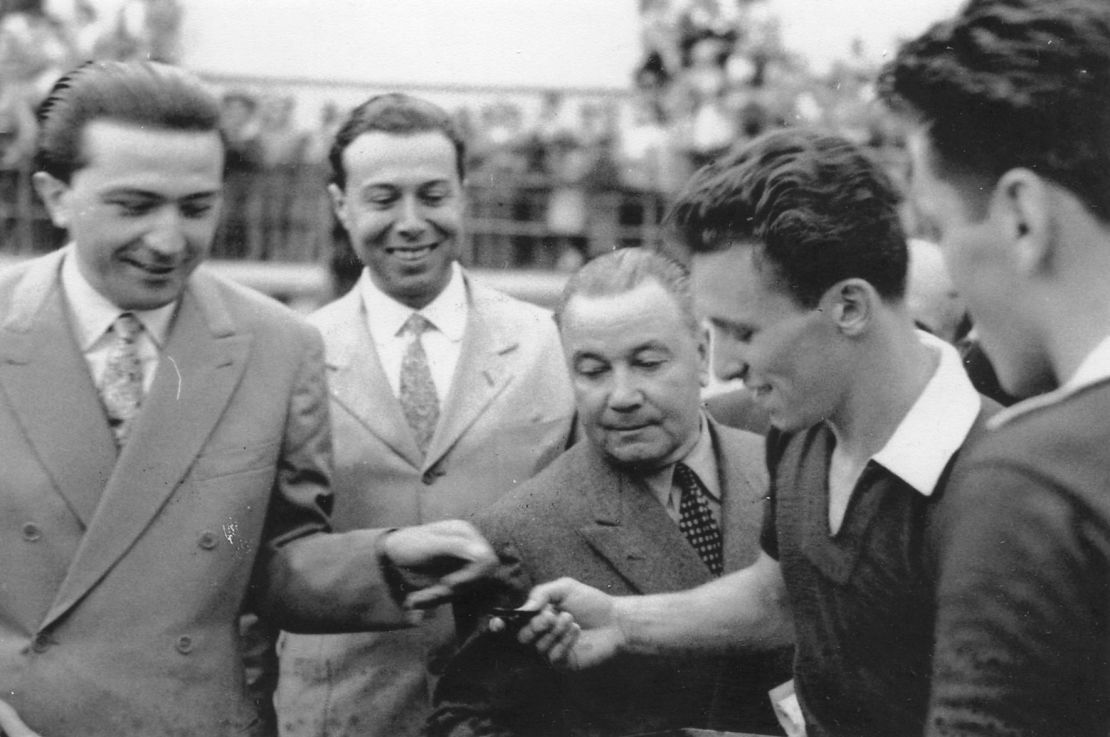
x: 225, y: 461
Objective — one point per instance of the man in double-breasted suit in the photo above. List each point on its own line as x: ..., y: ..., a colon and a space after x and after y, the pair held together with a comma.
x: 165, y: 440
x: 613, y: 511
x: 426, y: 427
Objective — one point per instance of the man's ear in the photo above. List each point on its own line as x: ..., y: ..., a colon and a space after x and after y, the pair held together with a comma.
x: 1022, y: 204
x: 339, y: 204
x: 54, y: 193
x: 850, y: 304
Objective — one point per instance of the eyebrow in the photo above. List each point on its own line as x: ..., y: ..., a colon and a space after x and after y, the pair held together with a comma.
x: 148, y: 195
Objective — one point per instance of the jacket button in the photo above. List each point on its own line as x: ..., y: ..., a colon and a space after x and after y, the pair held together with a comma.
x: 41, y: 643
x: 31, y: 532
x: 428, y: 478
x: 208, y: 540
x: 184, y: 644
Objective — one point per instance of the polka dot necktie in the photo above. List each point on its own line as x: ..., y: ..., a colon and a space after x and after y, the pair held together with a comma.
x: 122, y: 387
x: 696, y: 520
x: 418, y: 394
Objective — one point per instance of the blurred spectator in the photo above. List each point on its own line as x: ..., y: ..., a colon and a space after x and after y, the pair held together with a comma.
x: 242, y: 205
x: 281, y: 147
x: 144, y: 29
x: 35, y: 47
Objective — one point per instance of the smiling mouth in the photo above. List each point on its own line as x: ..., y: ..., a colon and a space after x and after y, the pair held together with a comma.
x: 159, y: 270
x: 412, y: 254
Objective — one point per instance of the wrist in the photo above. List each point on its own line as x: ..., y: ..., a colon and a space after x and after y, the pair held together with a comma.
x: 399, y: 589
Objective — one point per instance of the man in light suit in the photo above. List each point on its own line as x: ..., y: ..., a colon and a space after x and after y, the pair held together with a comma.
x: 165, y: 441
x: 612, y: 511
x: 426, y: 427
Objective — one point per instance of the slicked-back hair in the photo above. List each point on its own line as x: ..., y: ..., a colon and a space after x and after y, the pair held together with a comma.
x: 141, y: 93
x: 621, y: 271
x: 815, y: 207
x: 1013, y: 83
x: 400, y: 115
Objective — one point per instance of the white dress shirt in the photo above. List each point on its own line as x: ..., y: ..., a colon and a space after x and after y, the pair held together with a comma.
x: 92, y: 315
x: 936, y: 425
x: 442, y: 342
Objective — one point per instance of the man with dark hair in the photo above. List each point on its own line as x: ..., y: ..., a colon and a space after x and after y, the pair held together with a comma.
x: 1010, y: 102
x: 620, y: 511
x: 444, y: 395
x: 800, y: 267
x: 165, y: 442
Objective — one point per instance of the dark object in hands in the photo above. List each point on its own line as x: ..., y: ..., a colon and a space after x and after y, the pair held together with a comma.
x: 514, y: 619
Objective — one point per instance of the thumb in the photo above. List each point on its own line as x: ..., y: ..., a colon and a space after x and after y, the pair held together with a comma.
x: 551, y: 593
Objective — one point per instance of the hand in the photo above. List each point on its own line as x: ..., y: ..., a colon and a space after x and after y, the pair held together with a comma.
x: 577, y: 626
x: 438, y: 560
x: 11, y: 725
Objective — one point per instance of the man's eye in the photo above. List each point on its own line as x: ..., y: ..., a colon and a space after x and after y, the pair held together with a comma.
x: 132, y: 208
x: 590, y: 369
x: 435, y: 196
x: 196, y: 210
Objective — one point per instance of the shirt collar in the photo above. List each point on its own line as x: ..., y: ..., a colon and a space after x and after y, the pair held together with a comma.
x: 700, y: 460
x: 1094, y: 369
x: 936, y: 425
x: 94, y: 313
x: 447, y: 312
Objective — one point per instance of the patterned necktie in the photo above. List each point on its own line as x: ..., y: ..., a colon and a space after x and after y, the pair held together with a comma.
x: 696, y: 520
x: 122, y: 387
x: 418, y: 394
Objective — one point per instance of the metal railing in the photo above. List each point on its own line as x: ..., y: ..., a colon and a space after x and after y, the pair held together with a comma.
x: 284, y: 215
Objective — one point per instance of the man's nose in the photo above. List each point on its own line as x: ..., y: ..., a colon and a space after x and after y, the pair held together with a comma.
x: 729, y: 360
x: 167, y: 233
x: 410, y: 219
x: 625, y: 393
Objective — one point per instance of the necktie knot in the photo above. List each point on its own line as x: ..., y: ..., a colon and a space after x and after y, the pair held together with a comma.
x: 127, y: 327
x: 416, y: 325
x: 696, y: 520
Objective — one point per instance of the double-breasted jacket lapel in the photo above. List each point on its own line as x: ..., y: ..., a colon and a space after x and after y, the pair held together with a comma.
x: 632, y: 531
x: 47, y: 381
x: 203, y: 360
x: 357, y: 381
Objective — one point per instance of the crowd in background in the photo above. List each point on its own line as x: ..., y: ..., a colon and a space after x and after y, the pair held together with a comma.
x: 552, y: 184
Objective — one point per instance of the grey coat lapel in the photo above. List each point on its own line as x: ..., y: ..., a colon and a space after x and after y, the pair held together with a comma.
x: 743, y: 477
x: 633, y: 533
x: 357, y: 381
x: 482, y: 372
x: 47, y: 382
x: 197, y: 373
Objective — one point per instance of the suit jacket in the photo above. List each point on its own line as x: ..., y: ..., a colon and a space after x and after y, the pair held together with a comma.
x: 586, y: 519
x: 509, y: 412
x: 124, y: 576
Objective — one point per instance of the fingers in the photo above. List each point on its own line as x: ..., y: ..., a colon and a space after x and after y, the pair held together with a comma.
x: 549, y: 594
x: 10, y: 723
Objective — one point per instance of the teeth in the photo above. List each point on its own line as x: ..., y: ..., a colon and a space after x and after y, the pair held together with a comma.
x: 411, y: 254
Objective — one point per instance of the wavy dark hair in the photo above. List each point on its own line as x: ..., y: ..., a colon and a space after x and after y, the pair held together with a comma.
x: 815, y: 206
x: 146, y: 94
x: 1013, y: 83
x: 397, y: 114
